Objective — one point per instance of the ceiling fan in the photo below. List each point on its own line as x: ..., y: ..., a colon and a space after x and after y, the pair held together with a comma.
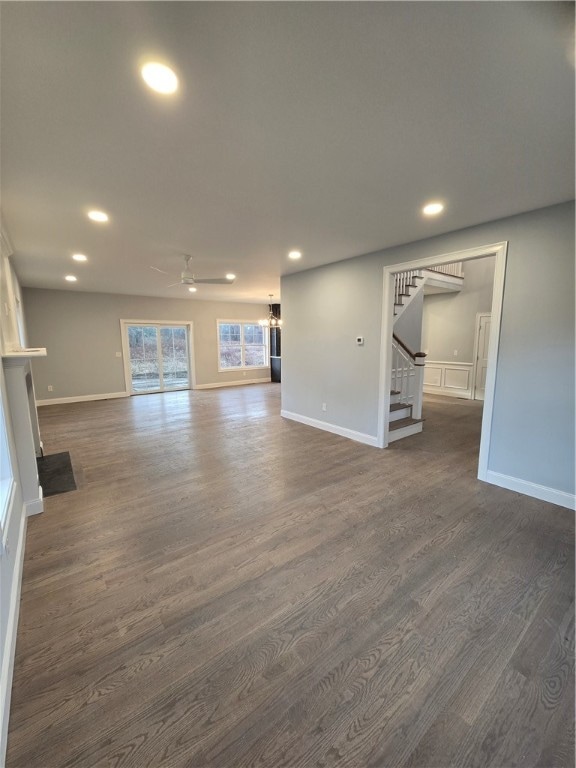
x: 188, y: 278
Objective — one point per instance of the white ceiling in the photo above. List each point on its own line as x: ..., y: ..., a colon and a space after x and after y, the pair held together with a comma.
x: 317, y: 126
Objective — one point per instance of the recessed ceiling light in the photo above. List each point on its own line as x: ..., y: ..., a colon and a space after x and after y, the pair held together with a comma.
x: 230, y: 276
x: 294, y: 255
x: 192, y: 290
x: 432, y: 209
x: 159, y: 77
x: 79, y: 257
x: 98, y: 216
x: 71, y: 278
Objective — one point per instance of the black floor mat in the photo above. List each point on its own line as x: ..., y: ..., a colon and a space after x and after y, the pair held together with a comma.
x: 56, y: 474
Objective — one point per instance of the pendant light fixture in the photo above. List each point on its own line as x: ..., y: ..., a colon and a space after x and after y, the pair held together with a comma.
x: 271, y: 321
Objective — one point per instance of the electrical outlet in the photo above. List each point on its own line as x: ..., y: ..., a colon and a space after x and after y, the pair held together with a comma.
x: 324, y: 407
x: 455, y: 353
x: 118, y: 354
x: 50, y: 388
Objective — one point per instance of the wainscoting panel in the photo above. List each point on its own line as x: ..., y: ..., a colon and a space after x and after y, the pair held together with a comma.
x: 432, y: 376
x: 445, y: 378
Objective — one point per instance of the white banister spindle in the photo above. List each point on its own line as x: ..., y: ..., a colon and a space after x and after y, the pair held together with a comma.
x: 405, y: 381
x: 407, y: 376
x: 456, y: 269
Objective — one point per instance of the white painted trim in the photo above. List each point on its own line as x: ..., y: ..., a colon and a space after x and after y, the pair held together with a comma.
x: 359, y: 437
x: 453, y: 363
x: 449, y: 258
x: 385, y: 358
x: 4, y: 518
x: 82, y: 398
x: 36, y: 506
x: 443, y: 388
x: 241, y: 367
x: 125, y: 356
x: 479, y: 315
x: 218, y: 384
x: 407, y: 431
x: 493, y: 347
x: 461, y: 394
x: 499, y: 251
x: 542, y: 492
x: 189, y: 324
x: 7, y: 668
x: 6, y: 247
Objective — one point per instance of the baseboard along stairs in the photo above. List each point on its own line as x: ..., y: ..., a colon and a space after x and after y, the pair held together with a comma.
x: 407, y: 374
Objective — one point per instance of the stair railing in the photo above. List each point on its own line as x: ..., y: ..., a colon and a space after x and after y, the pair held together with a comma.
x: 456, y: 269
x: 408, y: 375
x: 402, y: 282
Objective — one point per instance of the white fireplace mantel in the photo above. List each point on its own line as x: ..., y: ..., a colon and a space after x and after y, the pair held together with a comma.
x: 22, y: 353
x: 24, y: 418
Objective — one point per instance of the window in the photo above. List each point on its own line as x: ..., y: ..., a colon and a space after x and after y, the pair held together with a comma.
x: 241, y: 345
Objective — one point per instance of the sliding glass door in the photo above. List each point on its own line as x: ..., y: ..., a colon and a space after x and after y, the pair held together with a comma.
x: 159, y: 357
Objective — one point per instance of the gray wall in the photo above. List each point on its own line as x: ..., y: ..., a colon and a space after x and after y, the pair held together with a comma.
x: 449, y: 319
x: 533, y: 423
x: 324, y: 310
x: 408, y: 326
x: 81, y: 332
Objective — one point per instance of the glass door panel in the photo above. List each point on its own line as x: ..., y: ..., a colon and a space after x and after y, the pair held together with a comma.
x: 144, y: 367
x: 174, y: 347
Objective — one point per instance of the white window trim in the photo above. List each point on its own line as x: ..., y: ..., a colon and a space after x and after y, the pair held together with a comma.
x: 126, y: 351
x: 242, y: 323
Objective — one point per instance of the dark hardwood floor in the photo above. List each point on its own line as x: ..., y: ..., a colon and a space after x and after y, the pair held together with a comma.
x: 228, y: 589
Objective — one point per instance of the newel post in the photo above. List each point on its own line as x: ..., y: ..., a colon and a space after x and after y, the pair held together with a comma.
x: 419, y: 363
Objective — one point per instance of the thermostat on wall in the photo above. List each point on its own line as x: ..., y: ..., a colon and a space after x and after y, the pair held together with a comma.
x: 360, y: 341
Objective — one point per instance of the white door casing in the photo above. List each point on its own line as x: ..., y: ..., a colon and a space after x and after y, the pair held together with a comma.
x: 499, y: 251
x: 124, y: 325
x: 481, y: 345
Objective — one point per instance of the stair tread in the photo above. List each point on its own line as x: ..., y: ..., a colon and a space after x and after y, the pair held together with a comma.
x: 400, y: 406
x: 407, y: 422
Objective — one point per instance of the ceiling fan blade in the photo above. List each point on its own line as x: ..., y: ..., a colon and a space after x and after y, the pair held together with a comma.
x: 213, y: 280
x: 159, y: 270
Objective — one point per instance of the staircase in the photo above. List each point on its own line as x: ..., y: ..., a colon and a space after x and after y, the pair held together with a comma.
x: 407, y: 374
x: 433, y: 280
x: 405, y: 391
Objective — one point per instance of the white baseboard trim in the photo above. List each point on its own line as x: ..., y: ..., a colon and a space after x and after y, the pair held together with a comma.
x: 240, y: 383
x: 7, y: 669
x: 82, y: 398
x: 359, y: 437
x: 35, y: 506
x: 542, y: 492
x: 463, y: 394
